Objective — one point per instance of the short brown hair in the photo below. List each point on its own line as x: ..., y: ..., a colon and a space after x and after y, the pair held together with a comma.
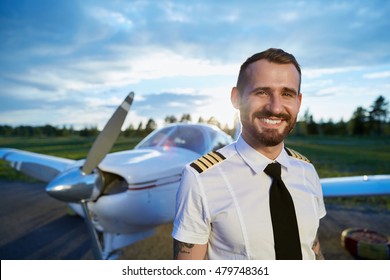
x: 273, y: 55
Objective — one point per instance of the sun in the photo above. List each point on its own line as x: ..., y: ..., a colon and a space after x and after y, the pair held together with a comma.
x: 221, y: 109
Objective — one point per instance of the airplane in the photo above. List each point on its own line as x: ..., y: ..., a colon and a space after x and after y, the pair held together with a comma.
x: 124, y: 196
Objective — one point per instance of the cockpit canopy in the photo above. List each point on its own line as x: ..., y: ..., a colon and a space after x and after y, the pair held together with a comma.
x: 198, y: 138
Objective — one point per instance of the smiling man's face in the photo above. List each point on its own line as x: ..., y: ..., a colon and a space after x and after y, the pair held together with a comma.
x: 269, y: 103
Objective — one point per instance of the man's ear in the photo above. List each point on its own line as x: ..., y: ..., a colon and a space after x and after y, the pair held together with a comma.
x: 235, y: 98
x: 299, y: 101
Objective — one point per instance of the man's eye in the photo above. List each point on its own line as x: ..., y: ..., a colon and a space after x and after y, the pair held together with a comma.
x: 288, y: 94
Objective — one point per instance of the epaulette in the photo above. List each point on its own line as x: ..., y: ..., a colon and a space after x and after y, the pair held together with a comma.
x: 205, y: 162
x: 295, y: 154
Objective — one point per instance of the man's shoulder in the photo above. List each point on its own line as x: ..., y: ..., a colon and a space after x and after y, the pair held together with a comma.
x: 212, y: 159
x: 296, y: 155
x: 207, y: 161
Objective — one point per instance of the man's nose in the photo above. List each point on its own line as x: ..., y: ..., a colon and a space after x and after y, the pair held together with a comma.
x: 275, y: 104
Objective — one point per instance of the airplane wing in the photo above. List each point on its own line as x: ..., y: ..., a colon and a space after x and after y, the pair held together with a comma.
x: 356, y: 186
x: 38, y: 166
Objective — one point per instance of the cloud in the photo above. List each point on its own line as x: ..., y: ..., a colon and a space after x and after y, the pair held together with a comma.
x: 114, y: 19
x: 377, y: 75
x: 178, y: 57
x: 320, y: 72
x: 290, y: 16
x: 163, y: 102
x: 101, y: 75
x: 176, y: 13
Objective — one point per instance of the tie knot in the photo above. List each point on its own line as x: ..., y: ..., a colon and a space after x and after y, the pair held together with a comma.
x: 273, y: 170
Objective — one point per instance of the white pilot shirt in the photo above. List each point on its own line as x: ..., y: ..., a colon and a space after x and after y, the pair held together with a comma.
x: 227, y: 204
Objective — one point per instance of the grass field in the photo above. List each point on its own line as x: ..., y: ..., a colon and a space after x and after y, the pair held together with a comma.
x: 344, y: 156
x: 347, y: 156
x: 332, y: 156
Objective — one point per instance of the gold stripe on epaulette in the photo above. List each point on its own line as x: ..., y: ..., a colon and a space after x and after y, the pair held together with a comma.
x: 205, y: 162
x: 297, y: 155
x: 210, y: 159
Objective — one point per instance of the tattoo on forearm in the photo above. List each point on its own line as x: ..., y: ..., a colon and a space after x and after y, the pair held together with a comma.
x: 315, y: 244
x: 320, y: 256
x: 181, y: 247
x: 317, y: 249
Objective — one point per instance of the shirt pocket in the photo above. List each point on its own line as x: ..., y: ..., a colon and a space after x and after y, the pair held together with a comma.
x: 306, y: 208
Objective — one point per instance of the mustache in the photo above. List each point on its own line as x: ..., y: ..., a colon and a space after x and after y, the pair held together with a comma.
x: 268, y: 114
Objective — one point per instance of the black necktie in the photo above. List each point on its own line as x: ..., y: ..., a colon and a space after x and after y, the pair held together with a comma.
x: 284, y: 220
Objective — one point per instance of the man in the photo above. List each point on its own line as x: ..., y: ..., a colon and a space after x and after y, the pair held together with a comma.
x: 225, y: 209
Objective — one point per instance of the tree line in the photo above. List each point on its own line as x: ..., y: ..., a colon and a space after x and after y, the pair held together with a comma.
x: 364, y: 121
x: 373, y: 120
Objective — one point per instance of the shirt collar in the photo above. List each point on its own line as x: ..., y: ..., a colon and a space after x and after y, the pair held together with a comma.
x: 257, y: 161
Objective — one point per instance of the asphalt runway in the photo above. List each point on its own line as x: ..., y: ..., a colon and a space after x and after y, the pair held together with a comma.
x: 35, y: 226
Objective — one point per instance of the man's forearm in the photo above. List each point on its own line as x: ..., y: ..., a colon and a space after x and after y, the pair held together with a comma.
x: 188, y: 251
x: 317, y: 249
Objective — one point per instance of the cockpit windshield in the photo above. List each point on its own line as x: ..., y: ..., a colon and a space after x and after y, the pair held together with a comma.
x: 187, y: 137
x: 156, y: 138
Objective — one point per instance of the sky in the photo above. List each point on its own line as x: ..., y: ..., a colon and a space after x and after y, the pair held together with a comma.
x: 73, y: 62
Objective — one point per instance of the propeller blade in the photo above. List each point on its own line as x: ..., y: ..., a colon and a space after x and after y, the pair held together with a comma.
x: 96, y: 247
x: 107, y: 136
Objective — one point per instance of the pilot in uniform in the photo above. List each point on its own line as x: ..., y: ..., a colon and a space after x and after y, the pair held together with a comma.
x: 230, y: 210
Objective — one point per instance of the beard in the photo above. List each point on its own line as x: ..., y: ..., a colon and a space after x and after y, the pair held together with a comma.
x: 270, y: 137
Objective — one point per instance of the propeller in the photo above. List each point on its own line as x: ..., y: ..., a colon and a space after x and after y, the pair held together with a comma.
x: 108, y: 136
x: 80, y: 185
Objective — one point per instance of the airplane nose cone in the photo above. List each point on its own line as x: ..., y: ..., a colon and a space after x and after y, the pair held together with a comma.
x: 75, y: 186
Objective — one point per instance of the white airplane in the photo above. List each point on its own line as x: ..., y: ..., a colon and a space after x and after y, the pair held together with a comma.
x: 124, y: 196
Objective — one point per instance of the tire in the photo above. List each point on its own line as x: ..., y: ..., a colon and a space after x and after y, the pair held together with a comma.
x: 366, y: 244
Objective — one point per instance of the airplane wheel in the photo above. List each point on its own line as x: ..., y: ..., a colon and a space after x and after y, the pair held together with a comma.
x: 366, y: 244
